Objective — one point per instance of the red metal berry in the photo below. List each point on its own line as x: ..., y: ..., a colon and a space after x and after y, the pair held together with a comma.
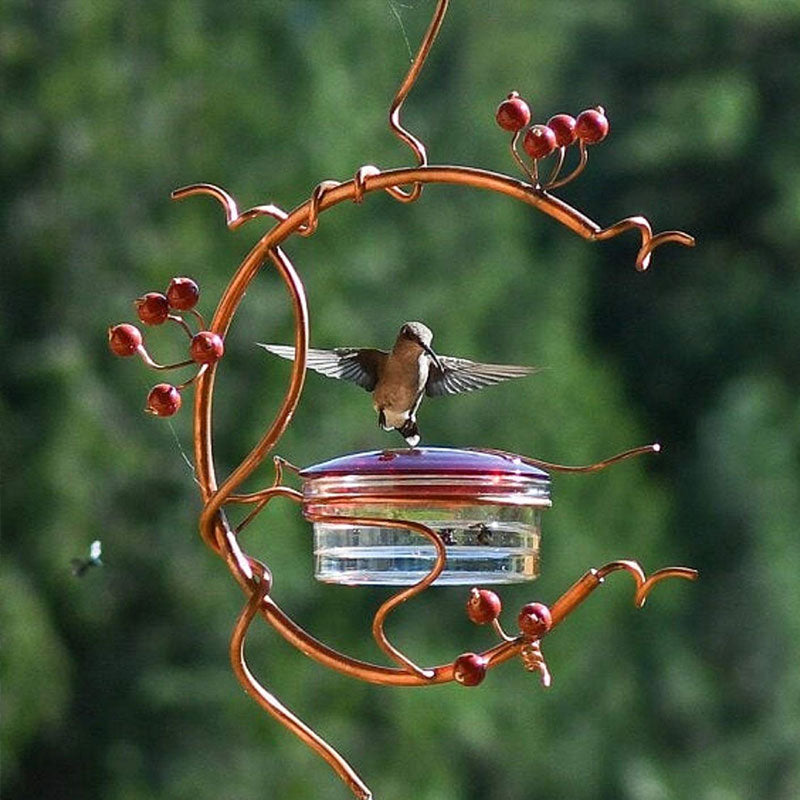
x: 483, y: 606
x: 469, y: 669
x: 534, y: 620
x: 124, y: 340
x: 152, y: 308
x: 183, y: 293
x: 563, y: 126
x: 513, y: 113
x: 539, y: 141
x: 206, y: 347
x: 164, y: 400
x: 592, y: 125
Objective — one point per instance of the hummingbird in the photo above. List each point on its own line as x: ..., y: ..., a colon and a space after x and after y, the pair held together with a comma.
x: 400, y: 379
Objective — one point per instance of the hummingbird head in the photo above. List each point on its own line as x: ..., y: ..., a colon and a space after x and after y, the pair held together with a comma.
x: 417, y: 332
x: 422, y: 335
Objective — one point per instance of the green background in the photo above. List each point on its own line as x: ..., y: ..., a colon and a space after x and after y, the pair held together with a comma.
x: 117, y: 685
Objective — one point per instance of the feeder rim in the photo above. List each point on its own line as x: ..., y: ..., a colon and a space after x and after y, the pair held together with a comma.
x: 420, y: 461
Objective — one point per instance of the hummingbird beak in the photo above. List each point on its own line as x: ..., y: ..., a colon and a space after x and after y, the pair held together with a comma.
x: 429, y: 350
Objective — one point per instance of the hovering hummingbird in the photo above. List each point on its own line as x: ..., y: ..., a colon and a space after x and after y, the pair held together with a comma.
x: 400, y: 379
x: 80, y: 565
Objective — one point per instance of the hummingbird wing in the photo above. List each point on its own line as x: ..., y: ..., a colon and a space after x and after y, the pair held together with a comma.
x: 462, y: 375
x: 359, y: 365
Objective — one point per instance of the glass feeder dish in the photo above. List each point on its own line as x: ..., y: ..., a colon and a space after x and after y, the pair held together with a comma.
x: 486, y: 507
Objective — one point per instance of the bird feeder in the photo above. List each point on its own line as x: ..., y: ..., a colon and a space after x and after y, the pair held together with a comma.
x: 485, y: 507
x: 404, y: 518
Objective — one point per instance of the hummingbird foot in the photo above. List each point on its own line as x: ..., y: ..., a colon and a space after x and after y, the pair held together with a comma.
x: 410, y: 432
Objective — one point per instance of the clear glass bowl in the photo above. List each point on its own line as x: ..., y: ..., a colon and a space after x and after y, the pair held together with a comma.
x: 487, y: 507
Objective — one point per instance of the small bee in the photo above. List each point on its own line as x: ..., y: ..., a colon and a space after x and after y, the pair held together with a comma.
x: 80, y: 565
x: 447, y: 535
x: 484, y: 533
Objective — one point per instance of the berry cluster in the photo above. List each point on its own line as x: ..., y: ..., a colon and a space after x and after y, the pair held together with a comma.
x: 484, y: 607
x: 541, y: 140
x: 155, y: 308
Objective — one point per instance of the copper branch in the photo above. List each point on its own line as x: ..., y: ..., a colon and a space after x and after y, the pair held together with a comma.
x: 145, y: 356
x: 406, y: 594
x: 600, y: 465
x: 179, y: 320
x: 649, y: 241
x: 329, y: 193
x: 405, y: 87
x: 518, y: 158
x: 233, y: 217
x: 278, y: 710
x: 261, y: 499
x: 644, y: 585
x: 554, y: 183
x: 582, y: 588
x: 551, y: 181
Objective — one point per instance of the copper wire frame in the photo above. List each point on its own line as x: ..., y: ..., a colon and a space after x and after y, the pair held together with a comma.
x: 222, y: 537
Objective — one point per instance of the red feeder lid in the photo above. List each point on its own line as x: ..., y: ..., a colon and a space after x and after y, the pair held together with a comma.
x: 425, y: 461
x: 427, y: 473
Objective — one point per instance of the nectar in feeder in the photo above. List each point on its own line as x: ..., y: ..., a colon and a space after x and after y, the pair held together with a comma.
x: 485, y: 507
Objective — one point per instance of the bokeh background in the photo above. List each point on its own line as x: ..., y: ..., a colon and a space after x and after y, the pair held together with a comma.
x: 116, y: 686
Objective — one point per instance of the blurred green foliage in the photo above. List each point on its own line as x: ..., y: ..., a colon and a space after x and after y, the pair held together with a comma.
x: 117, y: 686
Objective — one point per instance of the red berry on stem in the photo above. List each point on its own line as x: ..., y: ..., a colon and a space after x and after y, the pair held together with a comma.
x: 164, y: 400
x: 483, y: 606
x: 183, y: 293
x: 534, y: 620
x: 513, y: 113
x: 592, y: 125
x: 563, y: 126
x: 539, y: 141
x: 124, y: 340
x: 152, y: 308
x: 206, y: 347
x: 469, y: 669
